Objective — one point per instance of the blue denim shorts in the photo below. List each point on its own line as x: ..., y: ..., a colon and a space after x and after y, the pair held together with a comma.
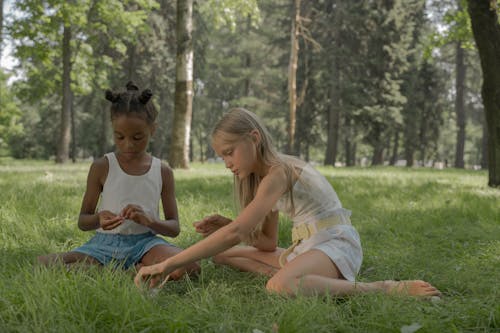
x: 120, y: 250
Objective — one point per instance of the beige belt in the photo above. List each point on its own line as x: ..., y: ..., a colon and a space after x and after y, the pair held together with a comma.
x: 306, y: 230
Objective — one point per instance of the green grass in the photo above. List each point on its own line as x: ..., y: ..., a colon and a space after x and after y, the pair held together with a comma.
x: 439, y: 225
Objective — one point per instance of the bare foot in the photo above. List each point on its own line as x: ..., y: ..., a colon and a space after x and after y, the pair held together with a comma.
x: 410, y: 288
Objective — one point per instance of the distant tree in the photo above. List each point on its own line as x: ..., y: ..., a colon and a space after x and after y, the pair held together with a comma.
x: 387, y: 59
x: 179, y: 149
x: 56, y: 39
x: 10, y: 114
x: 1, y: 27
x: 292, y: 73
x: 486, y: 28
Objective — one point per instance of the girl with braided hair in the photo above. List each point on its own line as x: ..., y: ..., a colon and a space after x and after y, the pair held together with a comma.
x: 128, y: 185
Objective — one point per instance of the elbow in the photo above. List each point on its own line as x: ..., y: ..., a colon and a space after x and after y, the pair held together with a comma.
x: 82, y: 225
x: 267, y: 246
x: 170, y: 229
x: 175, y: 232
x: 234, y: 234
x: 172, y: 233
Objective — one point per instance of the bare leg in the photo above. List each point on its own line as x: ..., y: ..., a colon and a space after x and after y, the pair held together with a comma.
x: 314, y: 273
x: 159, y: 253
x: 250, y: 259
x: 67, y: 258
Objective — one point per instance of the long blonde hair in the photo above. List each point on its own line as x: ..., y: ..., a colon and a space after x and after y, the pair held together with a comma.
x: 236, y: 125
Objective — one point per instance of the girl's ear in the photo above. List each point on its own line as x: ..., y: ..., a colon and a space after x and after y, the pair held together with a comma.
x: 154, y: 126
x: 256, y: 138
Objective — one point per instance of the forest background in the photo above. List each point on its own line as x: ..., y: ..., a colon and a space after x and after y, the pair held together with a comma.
x: 338, y: 82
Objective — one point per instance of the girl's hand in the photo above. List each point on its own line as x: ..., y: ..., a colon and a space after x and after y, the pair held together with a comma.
x: 137, y: 214
x: 210, y: 224
x: 109, y: 220
x: 154, y: 273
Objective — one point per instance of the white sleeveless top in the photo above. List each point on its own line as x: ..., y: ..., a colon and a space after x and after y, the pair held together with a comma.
x: 121, y: 189
x: 314, y: 199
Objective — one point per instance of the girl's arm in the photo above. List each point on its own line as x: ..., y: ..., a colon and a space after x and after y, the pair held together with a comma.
x: 267, y: 239
x: 89, y: 219
x: 270, y: 189
x: 170, y: 225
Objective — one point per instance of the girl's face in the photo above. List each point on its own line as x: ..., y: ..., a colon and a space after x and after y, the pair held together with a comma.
x: 131, y: 135
x: 240, y: 156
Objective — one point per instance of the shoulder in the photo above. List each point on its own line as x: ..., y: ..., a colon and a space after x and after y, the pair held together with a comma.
x: 276, y: 179
x: 100, y: 164
x: 167, y: 174
x: 277, y: 173
x: 99, y: 169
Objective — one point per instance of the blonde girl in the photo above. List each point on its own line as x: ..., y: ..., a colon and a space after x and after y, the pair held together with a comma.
x: 326, y: 252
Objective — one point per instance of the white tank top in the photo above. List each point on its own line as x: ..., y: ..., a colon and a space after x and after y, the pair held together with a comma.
x: 121, y: 189
x: 313, y: 197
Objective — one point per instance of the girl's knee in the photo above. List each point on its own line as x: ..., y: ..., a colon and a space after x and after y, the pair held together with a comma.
x: 281, y: 285
x: 220, y: 259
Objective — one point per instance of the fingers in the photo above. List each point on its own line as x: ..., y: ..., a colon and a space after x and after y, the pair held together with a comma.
x: 145, y: 272
x: 209, y: 224
x: 139, y: 278
x: 130, y: 210
x: 153, y: 274
x: 108, y: 223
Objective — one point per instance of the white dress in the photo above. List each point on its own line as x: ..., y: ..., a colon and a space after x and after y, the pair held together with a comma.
x: 314, y: 199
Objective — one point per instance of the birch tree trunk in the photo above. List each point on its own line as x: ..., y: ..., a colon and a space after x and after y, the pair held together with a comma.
x: 292, y: 74
x: 1, y: 27
x: 181, y: 131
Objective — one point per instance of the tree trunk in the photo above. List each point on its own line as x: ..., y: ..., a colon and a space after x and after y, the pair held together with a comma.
x: 131, y: 62
x: 333, y: 126
x: 1, y: 27
x: 73, y: 130
x: 350, y: 147
x: 292, y: 74
x: 179, y: 148
x: 486, y: 30
x: 103, y: 146
x: 334, y: 105
x: 378, y: 146
x: 378, y: 154
x: 248, y: 61
x: 65, y: 129
x: 460, y: 105
x: 484, y: 145
x: 395, y: 149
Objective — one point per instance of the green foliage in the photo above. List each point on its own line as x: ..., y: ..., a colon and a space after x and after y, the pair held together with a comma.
x: 100, y: 33
x: 228, y: 13
x: 455, y: 26
x: 354, y: 57
x: 9, y: 115
x: 437, y: 225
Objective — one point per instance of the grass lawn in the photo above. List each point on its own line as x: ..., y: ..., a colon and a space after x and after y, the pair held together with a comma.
x: 438, y: 225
